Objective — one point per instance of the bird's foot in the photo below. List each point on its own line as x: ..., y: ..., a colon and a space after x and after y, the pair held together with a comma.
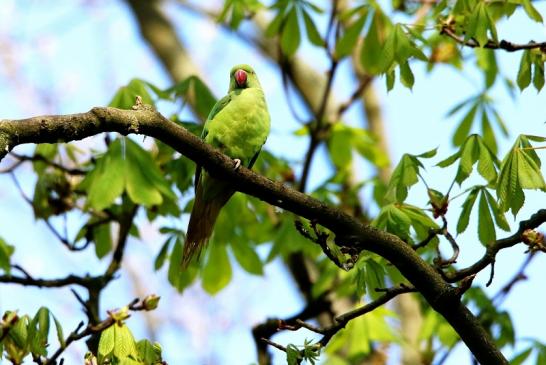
x: 237, y: 163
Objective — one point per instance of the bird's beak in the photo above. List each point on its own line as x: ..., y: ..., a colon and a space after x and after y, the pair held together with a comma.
x: 240, y: 77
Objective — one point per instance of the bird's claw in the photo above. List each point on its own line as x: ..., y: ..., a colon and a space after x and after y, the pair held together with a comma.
x: 237, y: 163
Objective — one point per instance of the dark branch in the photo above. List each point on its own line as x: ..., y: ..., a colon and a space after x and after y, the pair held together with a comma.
x: 40, y: 158
x: 265, y: 330
x: 85, y: 281
x: 92, y: 329
x: 489, y: 257
x: 342, y: 320
x: 349, y: 232
x: 504, y: 45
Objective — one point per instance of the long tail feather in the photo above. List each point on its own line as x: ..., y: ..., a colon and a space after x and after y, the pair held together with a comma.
x: 203, y: 216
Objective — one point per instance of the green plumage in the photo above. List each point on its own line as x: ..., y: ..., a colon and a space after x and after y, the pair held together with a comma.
x: 237, y: 125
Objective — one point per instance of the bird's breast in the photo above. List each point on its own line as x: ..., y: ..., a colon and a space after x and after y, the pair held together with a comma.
x: 241, y: 128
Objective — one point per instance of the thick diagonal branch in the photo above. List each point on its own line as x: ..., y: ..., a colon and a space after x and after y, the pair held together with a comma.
x: 349, y: 232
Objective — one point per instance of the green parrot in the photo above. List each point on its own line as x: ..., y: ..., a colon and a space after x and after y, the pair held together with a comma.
x: 237, y: 125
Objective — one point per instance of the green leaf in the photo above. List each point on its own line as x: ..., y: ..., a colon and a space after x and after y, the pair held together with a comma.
x: 520, y: 169
x: 500, y: 219
x: 217, y: 271
x: 486, y: 228
x: 541, y: 356
x: 6, y: 251
x: 524, y: 72
x: 464, y: 218
x: 293, y: 356
x: 126, y: 95
x: 312, y: 32
x: 247, y: 257
x: 499, y: 121
x: 460, y: 106
x: 38, y: 331
x: 521, y: 357
x: 405, y: 175
x: 117, y: 341
x: 367, y: 146
x: 180, y: 279
x: 194, y: 89
x: 402, y: 49
x: 531, y: 11
x: 360, y: 280
x: 450, y: 160
x: 145, y: 183
x: 17, y: 342
x: 290, y: 36
x: 236, y: 11
x: 375, y: 278
x: 393, y: 220
x: 487, y: 162
x: 149, y: 353
x: 390, y: 79
x: 106, y: 181
x: 371, y: 51
x: 388, y: 52
x: 406, y: 75
x: 59, y: 330
x: 529, y: 174
x: 487, y: 61
x: 428, y: 154
x: 204, y: 98
x: 340, y: 145
x: 478, y: 23
x: 420, y: 222
x: 103, y: 240
x: 538, y: 73
x: 139, y: 186
x: 469, y: 156
x: 463, y: 130
x: 347, y: 42
x: 46, y: 150
x: 274, y: 27
x: 162, y: 255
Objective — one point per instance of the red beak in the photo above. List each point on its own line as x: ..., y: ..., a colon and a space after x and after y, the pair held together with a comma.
x: 240, y: 77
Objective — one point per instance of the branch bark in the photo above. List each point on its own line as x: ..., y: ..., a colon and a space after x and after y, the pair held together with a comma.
x: 349, y: 232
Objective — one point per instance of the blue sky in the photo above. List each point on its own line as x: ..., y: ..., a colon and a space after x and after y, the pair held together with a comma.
x: 68, y: 56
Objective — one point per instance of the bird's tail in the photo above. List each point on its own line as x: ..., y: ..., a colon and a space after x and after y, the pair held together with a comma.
x: 203, y: 216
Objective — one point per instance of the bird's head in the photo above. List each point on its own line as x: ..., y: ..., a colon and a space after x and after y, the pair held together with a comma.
x: 242, y: 77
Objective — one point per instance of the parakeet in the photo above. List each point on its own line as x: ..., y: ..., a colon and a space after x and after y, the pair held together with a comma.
x: 237, y: 125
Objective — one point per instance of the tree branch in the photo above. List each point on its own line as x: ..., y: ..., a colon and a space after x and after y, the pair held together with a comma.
x: 84, y: 281
x: 491, y: 252
x: 342, y: 320
x: 504, y: 45
x: 349, y: 232
x: 263, y: 332
x: 93, y: 329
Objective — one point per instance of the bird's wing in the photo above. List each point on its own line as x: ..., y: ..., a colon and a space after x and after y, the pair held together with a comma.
x: 220, y: 104
x: 254, y: 158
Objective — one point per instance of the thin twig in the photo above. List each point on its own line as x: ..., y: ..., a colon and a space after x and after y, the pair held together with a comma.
x: 342, y: 320
x: 274, y: 344
x: 90, y: 329
x: 63, y: 240
x: 315, y: 132
x: 321, y: 239
x: 519, y: 276
x: 365, y: 81
x: 491, y: 251
x: 11, y: 168
x: 40, y: 158
x: 504, y: 45
x: 27, y: 280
